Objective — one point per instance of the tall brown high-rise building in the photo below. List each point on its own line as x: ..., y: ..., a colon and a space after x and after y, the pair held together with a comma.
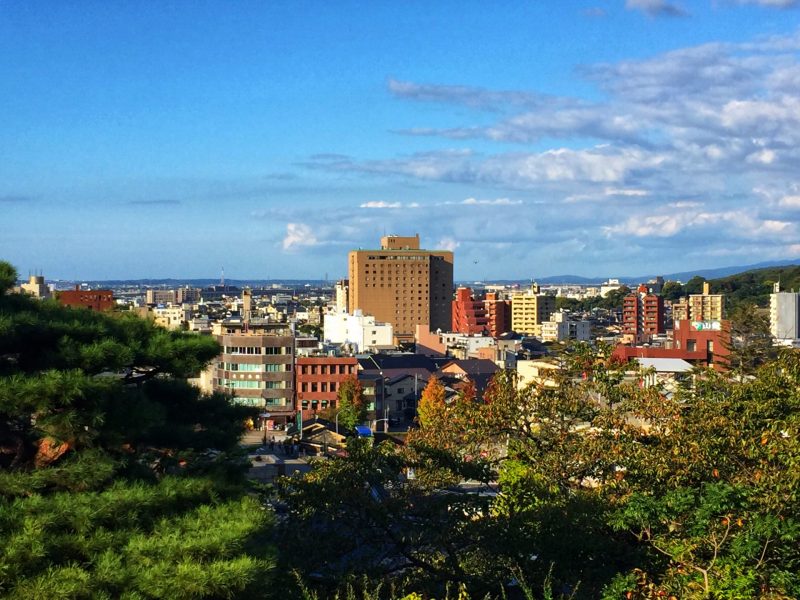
x: 402, y: 285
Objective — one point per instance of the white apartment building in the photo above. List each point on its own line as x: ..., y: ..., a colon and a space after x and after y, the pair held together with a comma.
x: 359, y: 330
x: 784, y: 316
x: 468, y: 345
x: 559, y: 328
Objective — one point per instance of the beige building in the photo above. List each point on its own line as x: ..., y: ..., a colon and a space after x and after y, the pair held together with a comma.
x: 36, y: 287
x: 342, y: 287
x: 705, y: 306
x: 154, y: 296
x: 530, y: 309
x: 536, y: 372
x: 402, y: 285
x: 255, y: 366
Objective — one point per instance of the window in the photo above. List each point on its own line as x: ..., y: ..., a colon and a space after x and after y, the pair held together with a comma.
x: 313, y: 387
x: 691, y: 346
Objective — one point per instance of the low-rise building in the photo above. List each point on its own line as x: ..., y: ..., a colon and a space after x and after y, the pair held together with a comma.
x: 358, y: 330
x: 317, y: 381
x: 36, y: 287
x: 92, y: 299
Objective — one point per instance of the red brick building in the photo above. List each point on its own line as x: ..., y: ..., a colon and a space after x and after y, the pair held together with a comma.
x: 702, y: 343
x: 317, y: 381
x: 91, y: 299
x: 642, y: 315
x: 469, y: 314
x: 498, y: 314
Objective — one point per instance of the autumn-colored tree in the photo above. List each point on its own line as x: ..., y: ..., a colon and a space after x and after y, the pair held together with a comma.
x: 431, y: 409
x: 351, y: 403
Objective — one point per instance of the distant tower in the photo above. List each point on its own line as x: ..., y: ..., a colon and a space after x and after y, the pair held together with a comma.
x: 222, y: 278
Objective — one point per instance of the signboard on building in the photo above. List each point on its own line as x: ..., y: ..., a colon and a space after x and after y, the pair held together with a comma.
x: 706, y: 326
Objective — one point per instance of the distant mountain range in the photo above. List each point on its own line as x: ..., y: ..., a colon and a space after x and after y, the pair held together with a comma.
x: 683, y: 276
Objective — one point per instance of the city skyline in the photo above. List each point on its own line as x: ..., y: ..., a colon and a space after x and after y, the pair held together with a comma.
x: 618, y: 137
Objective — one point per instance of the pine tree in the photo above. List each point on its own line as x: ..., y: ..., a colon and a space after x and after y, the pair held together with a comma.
x: 117, y: 478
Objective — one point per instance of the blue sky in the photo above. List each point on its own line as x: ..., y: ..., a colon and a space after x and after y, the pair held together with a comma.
x: 533, y: 138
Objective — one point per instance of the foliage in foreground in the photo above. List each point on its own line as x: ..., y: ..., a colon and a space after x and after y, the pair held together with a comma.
x: 117, y: 478
x: 591, y: 488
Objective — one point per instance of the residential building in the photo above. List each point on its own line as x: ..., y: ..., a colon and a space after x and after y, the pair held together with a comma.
x: 91, y: 299
x: 561, y: 328
x: 402, y: 285
x: 256, y: 365
x: 342, y: 288
x: 705, y: 306
x: 187, y: 295
x: 361, y: 332
x: 537, y: 372
x: 642, y: 316
x: 680, y: 310
x: 36, y: 287
x: 160, y: 297
x: 402, y: 393
x: 469, y: 314
x: 530, y: 309
x: 169, y: 317
x: 556, y: 329
x: 784, y: 315
x: 317, y: 381
x: 498, y: 314
x: 461, y: 345
x: 477, y: 370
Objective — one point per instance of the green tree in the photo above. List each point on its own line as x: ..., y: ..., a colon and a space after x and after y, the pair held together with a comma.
x: 117, y: 478
x: 694, y: 285
x: 711, y: 486
x: 613, y: 299
x: 750, y: 339
x: 607, y: 489
x: 351, y: 403
x: 8, y: 277
x: 672, y: 291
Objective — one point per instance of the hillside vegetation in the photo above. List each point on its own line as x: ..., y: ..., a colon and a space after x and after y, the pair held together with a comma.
x: 756, y: 286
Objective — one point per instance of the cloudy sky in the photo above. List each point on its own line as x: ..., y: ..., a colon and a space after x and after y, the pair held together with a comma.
x: 533, y: 138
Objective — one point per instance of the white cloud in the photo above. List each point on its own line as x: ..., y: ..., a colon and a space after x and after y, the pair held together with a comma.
x: 298, y: 235
x: 495, y: 202
x: 736, y: 223
x: 447, y: 243
x: 626, y: 192
x: 790, y: 201
x: 381, y: 204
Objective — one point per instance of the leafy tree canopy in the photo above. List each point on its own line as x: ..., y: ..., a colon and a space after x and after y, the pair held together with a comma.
x: 117, y: 478
x: 351, y: 403
x: 586, y: 485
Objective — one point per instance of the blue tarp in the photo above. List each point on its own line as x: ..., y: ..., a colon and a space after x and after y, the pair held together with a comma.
x: 363, y: 431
